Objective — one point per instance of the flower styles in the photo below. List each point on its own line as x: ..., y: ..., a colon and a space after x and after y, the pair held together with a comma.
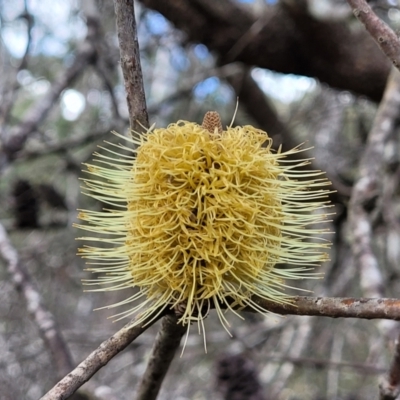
x: 205, y: 218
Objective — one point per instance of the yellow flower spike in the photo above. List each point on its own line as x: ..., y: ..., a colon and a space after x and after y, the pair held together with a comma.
x: 203, y: 217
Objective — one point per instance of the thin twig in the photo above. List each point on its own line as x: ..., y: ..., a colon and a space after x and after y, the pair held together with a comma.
x: 98, y: 359
x: 389, y: 388
x: 43, y: 318
x: 335, y: 307
x: 164, y: 349
x: 130, y: 64
x: 384, y: 36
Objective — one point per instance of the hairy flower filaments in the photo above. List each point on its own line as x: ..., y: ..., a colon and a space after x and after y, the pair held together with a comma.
x: 203, y: 218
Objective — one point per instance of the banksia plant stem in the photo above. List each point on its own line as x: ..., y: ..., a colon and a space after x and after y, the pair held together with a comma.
x: 202, y: 218
x: 165, y: 346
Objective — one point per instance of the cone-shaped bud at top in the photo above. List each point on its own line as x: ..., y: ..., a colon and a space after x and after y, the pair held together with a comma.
x: 202, y: 217
x: 212, y: 122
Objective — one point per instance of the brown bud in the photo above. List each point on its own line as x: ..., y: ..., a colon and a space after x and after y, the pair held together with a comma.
x: 212, y: 121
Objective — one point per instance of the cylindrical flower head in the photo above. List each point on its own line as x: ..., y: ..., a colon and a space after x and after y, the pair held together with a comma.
x: 203, y: 217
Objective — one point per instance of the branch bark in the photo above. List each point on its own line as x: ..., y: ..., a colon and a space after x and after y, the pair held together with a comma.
x: 167, y: 342
x: 334, y: 307
x: 389, y: 388
x: 383, y: 35
x: 130, y: 64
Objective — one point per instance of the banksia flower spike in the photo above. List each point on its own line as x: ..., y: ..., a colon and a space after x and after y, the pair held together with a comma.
x: 202, y: 218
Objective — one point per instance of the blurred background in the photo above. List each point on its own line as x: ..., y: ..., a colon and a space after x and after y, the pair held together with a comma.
x: 304, y: 71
